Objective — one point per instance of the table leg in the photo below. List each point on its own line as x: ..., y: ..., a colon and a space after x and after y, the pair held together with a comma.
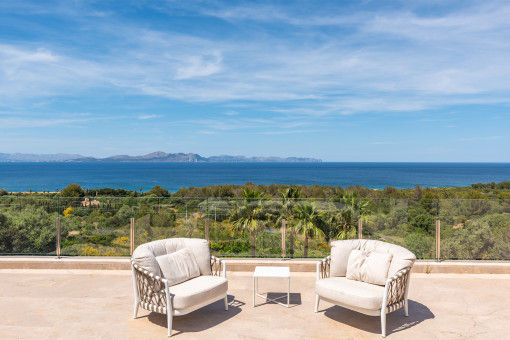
x: 254, y: 290
x: 288, y: 292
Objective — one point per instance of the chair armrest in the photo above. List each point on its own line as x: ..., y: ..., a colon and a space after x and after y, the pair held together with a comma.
x: 396, y: 289
x: 218, y: 266
x: 323, y: 268
x: 149, y: 288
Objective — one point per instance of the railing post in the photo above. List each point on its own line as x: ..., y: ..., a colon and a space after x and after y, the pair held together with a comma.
x: 283, y: 238
x: 207, y: 229
x: 58, y: 237
x: 131, y: 235
x: 438, y: 240
x: 360, y: 229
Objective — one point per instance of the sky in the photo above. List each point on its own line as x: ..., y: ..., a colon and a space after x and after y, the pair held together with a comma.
x: 342, y: 81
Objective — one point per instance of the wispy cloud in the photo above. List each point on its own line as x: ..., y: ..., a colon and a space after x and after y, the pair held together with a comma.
x: 480, y: 138
x: 18, y: 122
x: 389, y: 61
x: 268, y: 68
x: 152, y: 116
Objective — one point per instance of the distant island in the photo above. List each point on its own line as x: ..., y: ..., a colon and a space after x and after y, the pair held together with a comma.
x: 158, y: 156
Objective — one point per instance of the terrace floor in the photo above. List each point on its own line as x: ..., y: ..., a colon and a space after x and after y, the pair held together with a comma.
x: 97, y: 304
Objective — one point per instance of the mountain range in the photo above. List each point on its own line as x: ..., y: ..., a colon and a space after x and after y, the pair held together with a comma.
x: 158, y: 156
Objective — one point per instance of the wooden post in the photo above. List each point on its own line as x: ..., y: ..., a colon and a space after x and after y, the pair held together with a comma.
x: 438, y: 240
x: 283, y: 238
x: 58, y: 237
x: 207, y: 229
x: 360, y: 229
x: 132, y: 235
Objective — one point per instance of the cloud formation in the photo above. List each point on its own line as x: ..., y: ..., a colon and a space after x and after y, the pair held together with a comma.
x: 267, y: 67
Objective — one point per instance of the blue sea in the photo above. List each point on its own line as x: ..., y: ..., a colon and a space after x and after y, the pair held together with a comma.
x: 173, y: 176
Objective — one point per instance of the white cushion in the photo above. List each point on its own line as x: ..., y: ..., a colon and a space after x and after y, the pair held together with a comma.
x: 179, y: 266
x: 353, y: 293
x: 198, y: 290
x: 341, y: 250
x: 145, y: 254
x: 369, y: 267
x: 199, y: 248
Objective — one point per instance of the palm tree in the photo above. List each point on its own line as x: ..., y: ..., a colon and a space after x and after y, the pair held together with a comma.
x: 289, y: 197
x: 307, y: 218
x: 249, y: 215
x: 347, y: 219
x: 187, y: 226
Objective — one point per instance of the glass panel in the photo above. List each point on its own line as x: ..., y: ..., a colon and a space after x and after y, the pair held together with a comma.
x: 95, y: 227
x: 475, y: 229
x: 27, y: 226
x: 470, y: 228
x: 405, y: 222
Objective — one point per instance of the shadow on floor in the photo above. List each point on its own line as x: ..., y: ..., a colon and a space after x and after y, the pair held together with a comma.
x: 294, y: 298
x: 201, y: 319
x: 395, y: 322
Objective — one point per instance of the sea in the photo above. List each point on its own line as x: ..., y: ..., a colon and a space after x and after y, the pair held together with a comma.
x: 42, y: 176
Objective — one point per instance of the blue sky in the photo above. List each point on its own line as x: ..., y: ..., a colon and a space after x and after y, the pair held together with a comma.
x: 336, y: 80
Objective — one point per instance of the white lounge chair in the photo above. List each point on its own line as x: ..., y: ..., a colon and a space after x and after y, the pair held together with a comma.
x: 367, y: 276
x: 177, y: 276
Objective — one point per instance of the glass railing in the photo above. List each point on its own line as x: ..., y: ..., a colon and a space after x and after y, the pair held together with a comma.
x: 259, y: 227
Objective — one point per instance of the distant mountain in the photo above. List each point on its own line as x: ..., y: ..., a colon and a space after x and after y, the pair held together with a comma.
x: 24, y: 157
x: 158, y: 156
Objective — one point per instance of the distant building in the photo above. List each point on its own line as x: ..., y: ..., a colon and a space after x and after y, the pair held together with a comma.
x: 87, y: 202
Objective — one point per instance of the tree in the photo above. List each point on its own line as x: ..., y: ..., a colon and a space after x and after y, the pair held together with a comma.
x: 289, y: 197
x: 354, y: 210
x: 158, y: 191
x: 72, y: 190
x: 249, y: 215
x: 187, y: 226
x: 307, y: 218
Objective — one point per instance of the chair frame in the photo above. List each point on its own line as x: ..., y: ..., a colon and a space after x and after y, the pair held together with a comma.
x: 150, y: 296
x: 396, y: 290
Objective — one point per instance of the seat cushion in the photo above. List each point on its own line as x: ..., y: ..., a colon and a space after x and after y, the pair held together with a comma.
x: 197, y: 290
x: 179, y: 266
x: 350, y: 292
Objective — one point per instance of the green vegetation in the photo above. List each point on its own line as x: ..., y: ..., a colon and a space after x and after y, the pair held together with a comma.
x: 246, y: 220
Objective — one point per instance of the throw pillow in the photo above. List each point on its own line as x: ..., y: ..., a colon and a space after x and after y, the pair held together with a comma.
x: 370, y: 267
x: 179, y: 266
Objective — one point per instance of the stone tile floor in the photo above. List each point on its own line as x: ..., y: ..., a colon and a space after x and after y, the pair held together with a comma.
x: 98, y: 304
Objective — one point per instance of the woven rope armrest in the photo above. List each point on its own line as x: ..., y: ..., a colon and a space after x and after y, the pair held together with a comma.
x: 151, y: 291
x: 323, y: 268
x: 218, y: 267
x: 396, y: 289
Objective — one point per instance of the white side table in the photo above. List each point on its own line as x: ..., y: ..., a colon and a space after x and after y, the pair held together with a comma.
x: 273, y: 272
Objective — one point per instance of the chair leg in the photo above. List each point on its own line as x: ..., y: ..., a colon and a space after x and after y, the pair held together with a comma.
x: 137, y: 304
x: 169, y: 318
x: 225, y: 299
x: 406, y: 308
x: 317, y: 299
x: 383, y: 323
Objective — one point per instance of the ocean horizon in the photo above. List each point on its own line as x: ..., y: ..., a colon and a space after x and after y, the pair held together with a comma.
x: 50, y: 176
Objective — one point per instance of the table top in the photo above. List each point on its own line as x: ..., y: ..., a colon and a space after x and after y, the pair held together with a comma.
x: 271, y: 272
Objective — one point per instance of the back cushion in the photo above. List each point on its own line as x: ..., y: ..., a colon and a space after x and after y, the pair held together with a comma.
x: 368, y: 267
x: 340, y: 251
x: 179, y: 266
x: 145, y: 254
x: 199, y: 248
